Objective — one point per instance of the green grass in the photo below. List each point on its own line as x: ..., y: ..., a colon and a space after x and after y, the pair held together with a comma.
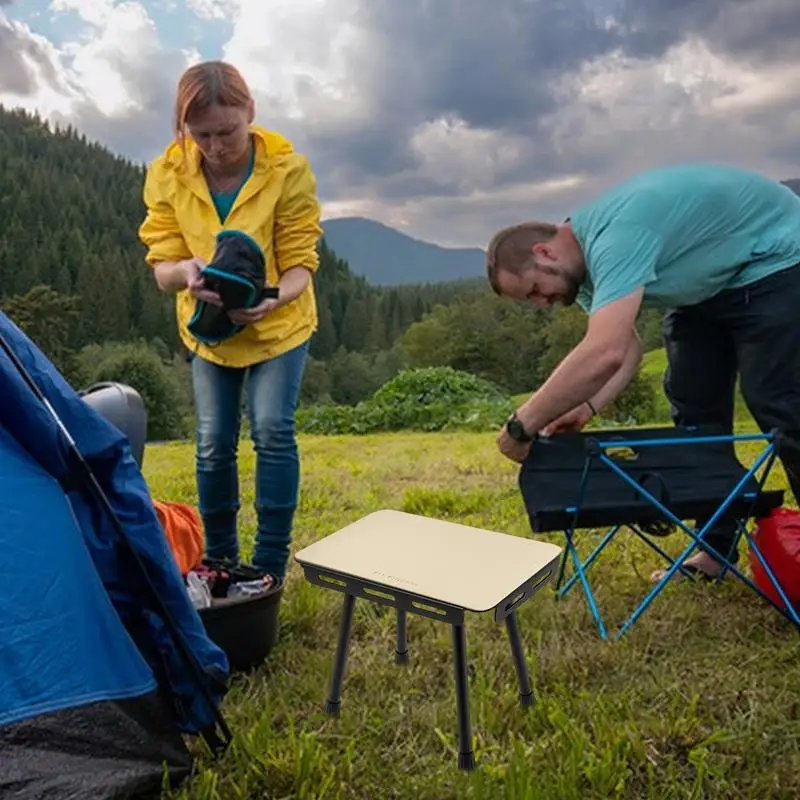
x: 699, y: 700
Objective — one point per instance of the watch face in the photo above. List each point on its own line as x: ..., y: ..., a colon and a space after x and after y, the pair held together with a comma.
x: 515, y: 430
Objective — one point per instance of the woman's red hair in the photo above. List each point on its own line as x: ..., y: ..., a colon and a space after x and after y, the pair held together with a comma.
x: 204, y: 85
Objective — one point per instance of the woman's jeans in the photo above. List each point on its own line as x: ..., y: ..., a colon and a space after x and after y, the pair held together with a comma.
x: 272, y: 389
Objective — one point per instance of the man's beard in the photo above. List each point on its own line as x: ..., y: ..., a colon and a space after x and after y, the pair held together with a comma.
x: 571, y: 291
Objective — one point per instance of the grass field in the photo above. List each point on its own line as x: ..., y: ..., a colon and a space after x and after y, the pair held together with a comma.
x: 699, y: 700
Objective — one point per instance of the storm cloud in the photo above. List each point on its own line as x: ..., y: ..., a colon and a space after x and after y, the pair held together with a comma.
x: 453, y: 117
x: 24, y: 62
x: 751, y: 30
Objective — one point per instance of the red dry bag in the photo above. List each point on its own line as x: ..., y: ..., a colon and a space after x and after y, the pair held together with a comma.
x: 777, y: 537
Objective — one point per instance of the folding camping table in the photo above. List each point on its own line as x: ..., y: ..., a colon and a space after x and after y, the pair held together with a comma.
x: 649, y: 481
x: 438, y: 570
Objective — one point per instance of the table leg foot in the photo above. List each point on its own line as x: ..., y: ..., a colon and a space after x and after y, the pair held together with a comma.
x: 527, y: 699
x: 526, y: 696
x: 466, y: 761
x: 401, y: 650
x: 334, y: 703
x: 333, y: 707
x: 466, y: 758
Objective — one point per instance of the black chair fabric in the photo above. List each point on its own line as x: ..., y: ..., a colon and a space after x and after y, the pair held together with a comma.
x: 691, y: 479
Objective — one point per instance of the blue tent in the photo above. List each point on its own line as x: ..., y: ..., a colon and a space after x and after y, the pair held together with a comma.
x: 96, y: 691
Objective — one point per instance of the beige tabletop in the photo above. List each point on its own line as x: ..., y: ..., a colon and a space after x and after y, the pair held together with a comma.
x: 454, y: 564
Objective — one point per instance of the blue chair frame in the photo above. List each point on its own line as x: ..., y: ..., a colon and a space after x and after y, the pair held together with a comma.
x: 754, y: 501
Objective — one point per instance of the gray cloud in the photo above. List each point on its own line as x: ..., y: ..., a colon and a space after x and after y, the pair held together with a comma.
x: 503, y: 70
x: 492, y: 67
x: 761, y: 30
x: 142, y: 133
x: 509, y: 81
x: 22, y: 61
x: 489, y: 64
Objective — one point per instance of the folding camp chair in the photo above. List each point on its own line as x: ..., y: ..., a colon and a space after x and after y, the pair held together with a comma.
x: 649, y: 481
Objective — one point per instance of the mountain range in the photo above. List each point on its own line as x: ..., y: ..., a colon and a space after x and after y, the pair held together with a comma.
x: 387, y: 257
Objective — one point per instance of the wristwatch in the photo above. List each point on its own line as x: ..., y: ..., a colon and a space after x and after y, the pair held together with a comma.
x: 516, y: 430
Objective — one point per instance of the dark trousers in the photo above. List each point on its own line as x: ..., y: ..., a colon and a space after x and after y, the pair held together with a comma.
x: 752, y: 332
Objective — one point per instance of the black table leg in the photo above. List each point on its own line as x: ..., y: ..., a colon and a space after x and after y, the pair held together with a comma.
x: 401, y: 651
x: 466, y: 758
x: 333, y: 705
x: 526, y: 697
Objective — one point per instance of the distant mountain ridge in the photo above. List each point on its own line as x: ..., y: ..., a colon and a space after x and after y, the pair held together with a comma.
x: 387, y: 257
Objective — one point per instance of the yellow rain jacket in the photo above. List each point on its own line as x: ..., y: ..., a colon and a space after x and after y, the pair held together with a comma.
x: 277, y: 206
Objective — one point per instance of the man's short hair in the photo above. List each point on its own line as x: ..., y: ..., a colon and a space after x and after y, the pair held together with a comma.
x: 510, y: 249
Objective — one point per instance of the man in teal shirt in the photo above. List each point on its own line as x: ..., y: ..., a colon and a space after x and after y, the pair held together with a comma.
x: 715, y: 246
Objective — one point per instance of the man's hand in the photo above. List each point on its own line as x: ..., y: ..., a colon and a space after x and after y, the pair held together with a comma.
x: 247, y: 316
x: 511, y: 448
x: 571, y: 422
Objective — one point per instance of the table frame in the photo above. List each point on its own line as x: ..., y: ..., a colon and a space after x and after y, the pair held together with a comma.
x: 406, y: 602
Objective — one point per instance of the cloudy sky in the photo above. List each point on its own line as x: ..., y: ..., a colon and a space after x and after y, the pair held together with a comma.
x: 444, y: 118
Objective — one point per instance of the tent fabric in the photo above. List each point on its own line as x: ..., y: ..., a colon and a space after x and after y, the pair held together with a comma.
x: 78, y: 625
x: 62, y: 641
x: 101, y: 751
x: 108, y: 453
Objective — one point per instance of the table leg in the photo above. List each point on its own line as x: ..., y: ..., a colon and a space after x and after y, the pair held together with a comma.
x: 466, y: 758
x: 401, y: 651
x: 526, y: 696
x: 332, y: 707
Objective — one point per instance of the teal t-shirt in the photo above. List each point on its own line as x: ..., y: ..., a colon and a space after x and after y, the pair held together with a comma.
x: 223, y: 201
x: 685, y: 233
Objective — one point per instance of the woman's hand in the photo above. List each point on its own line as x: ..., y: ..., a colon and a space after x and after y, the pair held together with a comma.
x: 247, y: 316
x: 195, y: 283
x: 292, y: 284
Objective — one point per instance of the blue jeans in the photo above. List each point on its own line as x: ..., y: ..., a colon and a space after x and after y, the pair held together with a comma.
x: 272, y: 389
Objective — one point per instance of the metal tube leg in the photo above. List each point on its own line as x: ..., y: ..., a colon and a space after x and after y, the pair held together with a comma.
x: 333, y: 705
x: 466, y: 758
x: 526, y: 696
x: 401, y: 651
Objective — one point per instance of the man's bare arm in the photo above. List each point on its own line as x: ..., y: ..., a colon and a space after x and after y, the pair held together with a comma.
x: 596, y: 364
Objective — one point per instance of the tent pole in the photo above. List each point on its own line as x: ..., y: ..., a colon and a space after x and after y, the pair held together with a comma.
x: 97, y: 490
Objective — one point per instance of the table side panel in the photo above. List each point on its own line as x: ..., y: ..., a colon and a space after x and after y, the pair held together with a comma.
x: 384, y: 595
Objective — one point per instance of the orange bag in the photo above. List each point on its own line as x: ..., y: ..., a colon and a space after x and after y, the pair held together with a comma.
x: 184, y: 532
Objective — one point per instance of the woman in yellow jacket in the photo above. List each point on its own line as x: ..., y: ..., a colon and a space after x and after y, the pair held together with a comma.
x: 223, y: 172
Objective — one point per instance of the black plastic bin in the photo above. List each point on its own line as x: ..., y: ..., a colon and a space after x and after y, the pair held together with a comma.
x: 245, y: 628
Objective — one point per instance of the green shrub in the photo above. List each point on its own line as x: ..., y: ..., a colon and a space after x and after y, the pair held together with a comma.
x: 637, y: 404
x: 141, y: 367
x: 428, y: 399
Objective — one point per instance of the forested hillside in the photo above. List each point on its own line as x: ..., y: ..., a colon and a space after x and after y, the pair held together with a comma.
x: 72, y: 274
x: 71, y: 210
